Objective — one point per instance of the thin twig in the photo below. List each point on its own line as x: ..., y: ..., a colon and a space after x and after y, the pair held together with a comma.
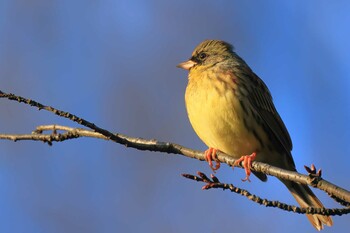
x: 215, y: 183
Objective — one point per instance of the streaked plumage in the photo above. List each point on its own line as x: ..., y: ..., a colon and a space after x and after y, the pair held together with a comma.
x: 231, y: 109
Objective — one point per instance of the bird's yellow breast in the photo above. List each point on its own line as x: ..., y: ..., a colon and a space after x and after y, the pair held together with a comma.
x: 216, y: 115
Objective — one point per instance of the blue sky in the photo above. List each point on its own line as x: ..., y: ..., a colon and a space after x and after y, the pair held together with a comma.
x: 113, y: 63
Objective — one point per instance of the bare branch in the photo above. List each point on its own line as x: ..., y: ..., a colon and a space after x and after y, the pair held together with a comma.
x: 215, y: 183
x: 338, y: 193
x: 37, y: 135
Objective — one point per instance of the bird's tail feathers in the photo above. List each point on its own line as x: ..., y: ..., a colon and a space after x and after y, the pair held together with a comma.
x: 306, y: 198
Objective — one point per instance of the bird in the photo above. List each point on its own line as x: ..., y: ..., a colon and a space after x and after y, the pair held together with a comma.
x: 231, y: 110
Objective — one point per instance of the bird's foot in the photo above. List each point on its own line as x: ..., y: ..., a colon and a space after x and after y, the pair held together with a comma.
x: 210, y: 156
x: 247, y: 164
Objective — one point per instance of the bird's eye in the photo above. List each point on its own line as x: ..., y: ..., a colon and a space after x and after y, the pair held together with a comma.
x: 202, y: 56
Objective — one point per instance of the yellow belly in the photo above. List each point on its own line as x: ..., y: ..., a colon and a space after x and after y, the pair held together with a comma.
x: 216, y: 116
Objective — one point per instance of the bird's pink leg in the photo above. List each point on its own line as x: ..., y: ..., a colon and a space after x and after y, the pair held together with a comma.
x: 247, y: 164
x: 210, y: 155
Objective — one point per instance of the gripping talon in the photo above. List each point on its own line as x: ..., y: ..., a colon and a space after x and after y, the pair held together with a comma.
x: 247, y: 164
x: 210, y: 155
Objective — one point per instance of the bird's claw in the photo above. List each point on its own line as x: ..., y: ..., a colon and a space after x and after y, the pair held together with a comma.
x: 247, y: 164
x: 210, y: 155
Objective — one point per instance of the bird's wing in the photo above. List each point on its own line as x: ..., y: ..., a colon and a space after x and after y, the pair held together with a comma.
x: 260, y: 99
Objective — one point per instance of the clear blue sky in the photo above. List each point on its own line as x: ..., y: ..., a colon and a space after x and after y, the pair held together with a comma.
x: 113, y: 63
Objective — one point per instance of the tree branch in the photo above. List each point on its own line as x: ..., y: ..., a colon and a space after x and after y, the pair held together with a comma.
x: 338, y: 193
x: 215, y: 183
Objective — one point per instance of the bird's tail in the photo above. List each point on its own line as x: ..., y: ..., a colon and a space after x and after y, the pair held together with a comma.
x: 305, y: 197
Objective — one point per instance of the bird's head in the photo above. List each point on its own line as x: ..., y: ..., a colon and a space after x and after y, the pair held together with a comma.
x: 207, y: 54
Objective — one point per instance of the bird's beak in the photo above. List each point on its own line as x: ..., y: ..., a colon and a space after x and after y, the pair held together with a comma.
x: 186, y: 65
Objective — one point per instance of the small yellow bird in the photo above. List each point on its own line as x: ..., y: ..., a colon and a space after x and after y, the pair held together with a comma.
x: 231, y: 110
